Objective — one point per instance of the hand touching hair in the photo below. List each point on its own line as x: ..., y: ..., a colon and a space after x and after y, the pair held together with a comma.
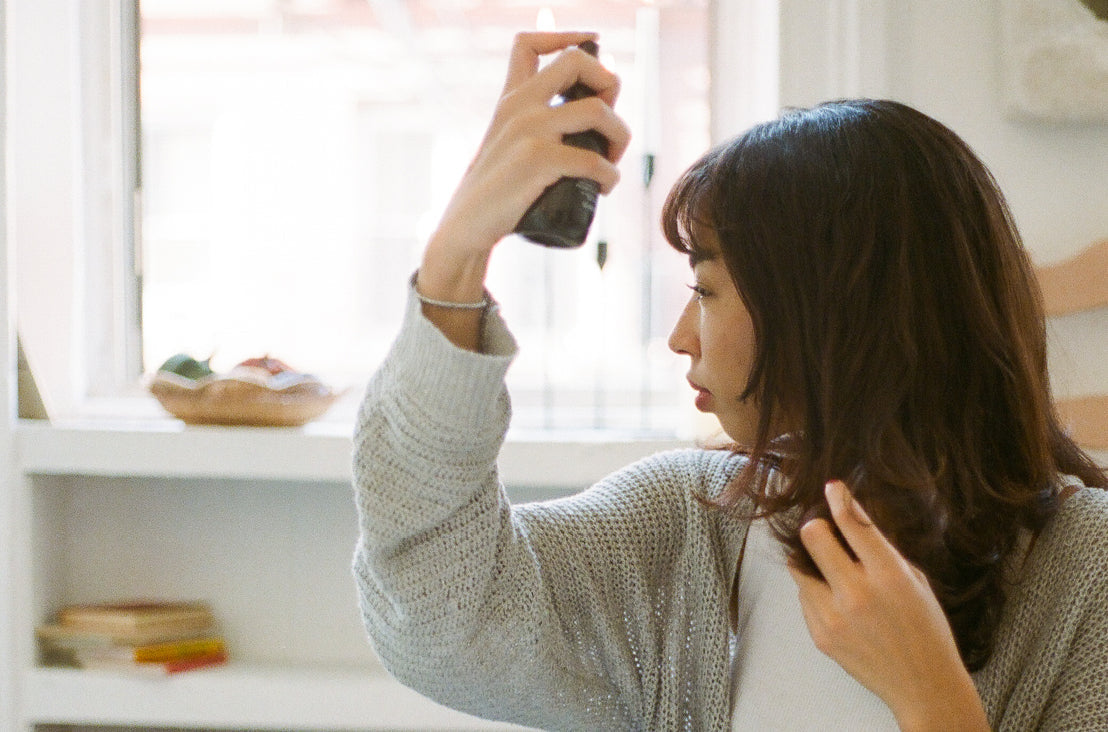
x: 899, y: 337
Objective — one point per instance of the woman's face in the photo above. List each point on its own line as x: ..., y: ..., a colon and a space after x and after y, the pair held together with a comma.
x: 716, y: 332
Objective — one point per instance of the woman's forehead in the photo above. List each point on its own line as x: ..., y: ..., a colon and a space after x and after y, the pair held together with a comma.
x: 703, y: 245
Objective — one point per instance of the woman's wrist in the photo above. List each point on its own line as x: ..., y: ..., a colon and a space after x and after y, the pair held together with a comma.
x: 450, y: 275
x: 955, y: 707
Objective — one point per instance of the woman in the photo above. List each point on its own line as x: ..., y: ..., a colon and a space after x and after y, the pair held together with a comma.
x: 864, y: 324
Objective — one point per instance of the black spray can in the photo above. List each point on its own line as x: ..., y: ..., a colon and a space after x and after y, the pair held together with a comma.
x: 561, y: 216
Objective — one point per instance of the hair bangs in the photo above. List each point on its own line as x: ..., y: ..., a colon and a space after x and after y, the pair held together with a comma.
x: 688, y: 206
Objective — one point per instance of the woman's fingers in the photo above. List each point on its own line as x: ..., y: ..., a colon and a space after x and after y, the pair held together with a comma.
x: 524, y: 149
x: 528, y: 48
x: 541, y: 162
x: 827, y: 552
x: 597, y: 115
x: 526, y: 84
x: 586, y: 164
x: 569, y: 67
x: 872, y: 551
x: 578, y: 116
x: 864, y: 538
x: 878, y: 618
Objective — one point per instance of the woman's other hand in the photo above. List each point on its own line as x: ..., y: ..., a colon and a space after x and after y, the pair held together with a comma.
x: 878, y: 618
x: 521, y: 154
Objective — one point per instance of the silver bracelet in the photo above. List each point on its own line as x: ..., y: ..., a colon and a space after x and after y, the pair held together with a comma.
x: 484, y: 303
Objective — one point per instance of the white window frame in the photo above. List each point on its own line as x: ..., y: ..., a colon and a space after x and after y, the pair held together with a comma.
x: 72, y: 173
x: 70, y: 255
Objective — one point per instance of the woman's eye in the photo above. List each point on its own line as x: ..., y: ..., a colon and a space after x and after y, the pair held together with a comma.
x: 698, y: 291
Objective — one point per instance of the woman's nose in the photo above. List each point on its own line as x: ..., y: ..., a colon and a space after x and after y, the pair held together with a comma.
x: 683, y: 338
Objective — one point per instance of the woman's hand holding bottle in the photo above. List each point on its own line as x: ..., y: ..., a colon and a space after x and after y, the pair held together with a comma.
x: 522, y: 153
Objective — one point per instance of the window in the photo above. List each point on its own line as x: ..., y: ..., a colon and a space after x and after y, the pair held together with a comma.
x: 295, y: 154
x: 406, y: 88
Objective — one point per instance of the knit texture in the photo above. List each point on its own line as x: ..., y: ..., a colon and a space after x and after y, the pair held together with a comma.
x: 609, y: 610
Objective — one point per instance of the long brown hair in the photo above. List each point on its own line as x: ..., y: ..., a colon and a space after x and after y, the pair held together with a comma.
x: 899, y: 336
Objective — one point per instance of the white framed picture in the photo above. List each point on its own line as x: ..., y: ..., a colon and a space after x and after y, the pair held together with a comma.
x: 1055, y: 59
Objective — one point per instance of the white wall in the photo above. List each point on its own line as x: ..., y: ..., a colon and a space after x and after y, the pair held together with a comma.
x: 945, y: 58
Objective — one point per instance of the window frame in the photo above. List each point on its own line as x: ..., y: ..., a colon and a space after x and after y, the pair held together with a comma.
x: 81, y: 337
x: 73, y: 175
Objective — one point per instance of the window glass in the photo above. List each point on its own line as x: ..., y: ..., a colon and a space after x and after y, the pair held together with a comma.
x: 295, y: 156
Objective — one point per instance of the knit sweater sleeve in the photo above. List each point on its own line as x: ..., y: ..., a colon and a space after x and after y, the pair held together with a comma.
x: 504, y: 612
x: 1049, y: 670
x: 1079, y: 697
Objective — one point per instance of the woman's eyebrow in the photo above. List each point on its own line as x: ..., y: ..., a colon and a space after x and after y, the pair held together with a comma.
x: 698, y: 256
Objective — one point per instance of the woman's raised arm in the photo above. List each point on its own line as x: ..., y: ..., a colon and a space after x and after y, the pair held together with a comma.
x: 522, y: 153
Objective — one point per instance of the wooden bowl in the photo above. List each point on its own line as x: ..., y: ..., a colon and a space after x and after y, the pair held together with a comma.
x: 243, y: 397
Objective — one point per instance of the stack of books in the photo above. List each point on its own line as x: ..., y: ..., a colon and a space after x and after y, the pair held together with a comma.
x: 148, y: 638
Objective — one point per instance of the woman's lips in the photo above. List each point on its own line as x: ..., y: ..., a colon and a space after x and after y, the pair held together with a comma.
x: 703, y: 397
x: 703, y: 400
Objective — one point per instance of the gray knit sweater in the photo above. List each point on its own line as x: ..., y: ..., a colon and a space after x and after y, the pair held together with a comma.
x: 608, y: 610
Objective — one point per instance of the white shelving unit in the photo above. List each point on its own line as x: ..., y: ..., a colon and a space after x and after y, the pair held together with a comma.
x: 239, y: 696
x: 258, y: 522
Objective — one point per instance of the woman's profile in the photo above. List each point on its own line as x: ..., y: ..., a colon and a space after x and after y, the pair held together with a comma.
x: 901, y: 534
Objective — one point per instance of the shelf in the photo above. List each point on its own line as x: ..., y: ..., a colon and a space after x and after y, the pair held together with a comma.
x: 306, y: 534
x: 238, y: 696
x: 1078, y: 283
x: 316, y: 452
x: 1075, y: 285
x: 1087, y: 419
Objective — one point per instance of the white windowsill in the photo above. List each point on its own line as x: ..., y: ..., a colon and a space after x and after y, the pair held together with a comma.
x: 319, y: 451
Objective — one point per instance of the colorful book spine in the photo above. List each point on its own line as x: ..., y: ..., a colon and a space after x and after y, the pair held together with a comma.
x: 179, y: 650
